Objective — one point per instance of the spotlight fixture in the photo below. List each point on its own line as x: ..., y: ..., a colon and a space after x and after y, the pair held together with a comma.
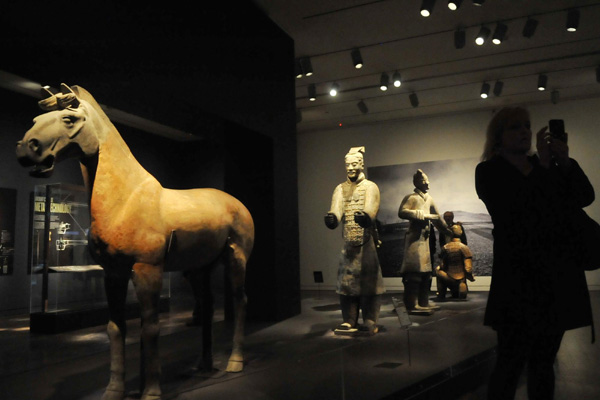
x: 384, y: 82
x: 362, y: 107
x: 427, y: 7
x: 414, y: 100
x: 333, y: 91
x: 312, y: 92
x: 529, y: 28
x: 498, y: 88
x: 572, y: 20
x: 542, y: 82
x: 397, y: 79
x: 485, y: 90
x: 478, y: 2
x: 454, y: 4
x: 306, y: 66
x: 499, y: 33
x: 459, y: 39
x: 298, y: 69
x: 484, y: 33
x: 356, y: 59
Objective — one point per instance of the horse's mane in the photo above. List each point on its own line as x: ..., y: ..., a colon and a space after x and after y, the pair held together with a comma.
x: 83, y: 94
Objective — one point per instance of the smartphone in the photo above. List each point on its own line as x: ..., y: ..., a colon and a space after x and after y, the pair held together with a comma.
x: 557, y: 129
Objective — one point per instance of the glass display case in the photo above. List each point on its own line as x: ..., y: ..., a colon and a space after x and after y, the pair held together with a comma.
x: 67, y: 286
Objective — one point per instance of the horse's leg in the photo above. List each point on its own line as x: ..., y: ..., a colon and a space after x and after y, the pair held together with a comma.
x: 236, y: 263
x: 201, y: 283
x: 148, y: 284
x: 116, y: 294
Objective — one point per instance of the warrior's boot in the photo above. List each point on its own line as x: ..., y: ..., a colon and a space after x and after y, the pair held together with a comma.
x: 411, y: 296
x: 350, y: 308
x: 370, y: 306
x: 424, y: 286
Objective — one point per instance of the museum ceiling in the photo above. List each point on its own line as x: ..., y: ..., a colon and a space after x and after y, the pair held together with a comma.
x: 391, y: 36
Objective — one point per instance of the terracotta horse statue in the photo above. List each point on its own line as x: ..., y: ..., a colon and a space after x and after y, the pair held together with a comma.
x: 140, y: 229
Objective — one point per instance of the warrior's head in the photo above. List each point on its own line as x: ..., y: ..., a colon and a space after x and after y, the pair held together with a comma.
x: 456, y: 231
x: 355, y: 164
x: 421, y: 181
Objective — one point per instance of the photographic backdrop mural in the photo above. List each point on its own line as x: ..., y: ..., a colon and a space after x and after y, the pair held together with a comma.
x: 452, y: 186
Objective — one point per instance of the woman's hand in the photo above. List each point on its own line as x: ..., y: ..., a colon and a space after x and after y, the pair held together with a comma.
x: 543, y: 147
x: 550, y: 149
x: 560, y: 152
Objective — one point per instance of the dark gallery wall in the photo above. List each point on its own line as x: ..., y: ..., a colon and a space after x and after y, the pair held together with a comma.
x: 224, y: 75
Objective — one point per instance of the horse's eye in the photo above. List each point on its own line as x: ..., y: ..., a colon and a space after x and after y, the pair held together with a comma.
x: 69, y: 120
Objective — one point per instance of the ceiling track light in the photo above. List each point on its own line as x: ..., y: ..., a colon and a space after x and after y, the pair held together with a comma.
x: 397, y: 79
x: 459, y: 38
x: 454, y: 4
x: 362, y: 107
x: 427, y: 7
x: 499, y: 33
x: 356, y: 59
x: 572, y: 20
x: 298, y: 69
x: 478, y: 2
x: 333, y: 91
x: 306, y: 66
x: 312, y: 92
x: 529, y: 28
x: 384, y: 82
x: 498, y: 88
x: 542, y: 82
x: 485, y: 90
x: 482, y: 36
x: 414, y: 100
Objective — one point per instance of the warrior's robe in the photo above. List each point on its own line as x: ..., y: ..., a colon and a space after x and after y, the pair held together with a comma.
x: 359, y: 271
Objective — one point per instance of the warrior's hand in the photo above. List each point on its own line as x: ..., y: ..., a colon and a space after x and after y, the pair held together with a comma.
x: 362, y: 218
x: 331, y: 221
x: 470, y: 277
x: 432, y: 217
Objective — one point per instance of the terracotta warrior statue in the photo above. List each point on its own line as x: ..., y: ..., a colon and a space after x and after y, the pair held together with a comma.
x: 455, y: 268
x: 449, y: 219
x: 416, y: 270
x: 355, y: 204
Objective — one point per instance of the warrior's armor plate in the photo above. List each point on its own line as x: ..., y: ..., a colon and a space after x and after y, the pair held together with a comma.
x: 454, y: 255
x: 354, y: 200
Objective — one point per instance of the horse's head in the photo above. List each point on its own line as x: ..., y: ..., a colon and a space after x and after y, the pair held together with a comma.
x: 58, y: 134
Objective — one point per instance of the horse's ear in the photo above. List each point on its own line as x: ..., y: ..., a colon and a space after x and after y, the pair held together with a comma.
x: 68, y: 98
x: 49, y: 102
x: 65, y: 89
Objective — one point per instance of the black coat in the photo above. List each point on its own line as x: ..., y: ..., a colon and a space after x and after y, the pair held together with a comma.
x: 535, y: 281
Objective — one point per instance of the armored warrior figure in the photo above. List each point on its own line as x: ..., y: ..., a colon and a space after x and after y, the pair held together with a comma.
x: 449, y: 219
x: 456, y: 267
x: 355, y: 204
x: 416, y: 270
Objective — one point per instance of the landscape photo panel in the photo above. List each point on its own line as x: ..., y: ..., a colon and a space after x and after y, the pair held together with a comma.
x: 452, y: 186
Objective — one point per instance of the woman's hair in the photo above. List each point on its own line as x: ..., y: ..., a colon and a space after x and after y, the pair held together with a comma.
x: 496, y: 128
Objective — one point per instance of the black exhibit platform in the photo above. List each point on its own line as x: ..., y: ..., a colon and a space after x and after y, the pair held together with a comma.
x: 73, y: 319
x: 435, y: 357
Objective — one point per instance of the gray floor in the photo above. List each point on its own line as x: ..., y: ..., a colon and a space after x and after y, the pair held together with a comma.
x: 446, y: 355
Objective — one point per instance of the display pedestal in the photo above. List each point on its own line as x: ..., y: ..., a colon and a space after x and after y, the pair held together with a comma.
x: 69, y: 320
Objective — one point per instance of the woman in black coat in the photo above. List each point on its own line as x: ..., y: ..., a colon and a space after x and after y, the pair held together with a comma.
x: 537, y: 290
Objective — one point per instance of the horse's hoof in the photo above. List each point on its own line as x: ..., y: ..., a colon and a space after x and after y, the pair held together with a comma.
x: 235, y: 366
x: 151, y: 397
x: 113, y: 395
